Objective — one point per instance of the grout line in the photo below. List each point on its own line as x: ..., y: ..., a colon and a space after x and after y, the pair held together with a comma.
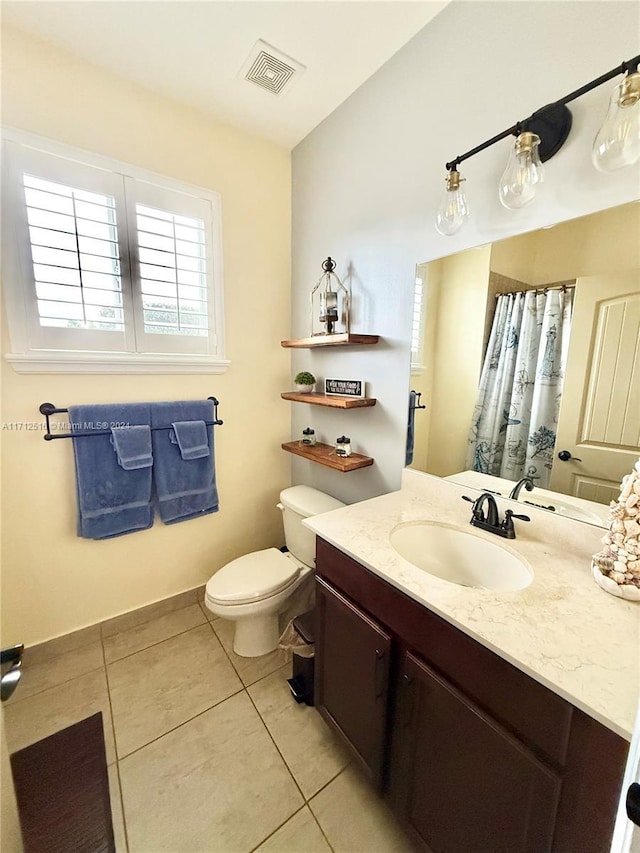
x: 20, y: 699
x: 319, y: 825
x: 151, y: 619
x: 267, y: 837
x: 295, y: 781
x: 155, y: 643
x: 326, y: 784
x: 179, y: 725
x: 115, y: 747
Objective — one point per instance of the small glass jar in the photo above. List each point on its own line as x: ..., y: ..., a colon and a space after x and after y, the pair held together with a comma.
x: 309, y: 436
x: 343, y: 446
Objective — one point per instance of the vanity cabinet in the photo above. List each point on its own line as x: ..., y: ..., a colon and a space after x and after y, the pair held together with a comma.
x: 462, y: 781
x: 353, y: 654
x: 473, y: 754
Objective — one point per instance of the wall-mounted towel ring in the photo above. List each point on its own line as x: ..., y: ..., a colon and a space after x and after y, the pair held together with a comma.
x: 48, y: 409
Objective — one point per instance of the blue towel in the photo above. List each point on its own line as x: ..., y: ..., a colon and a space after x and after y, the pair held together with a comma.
x: 186, y: 488
x: 111, y: 500
x: 191, y: 437
x: 132, y: 445
x: 411, y: 428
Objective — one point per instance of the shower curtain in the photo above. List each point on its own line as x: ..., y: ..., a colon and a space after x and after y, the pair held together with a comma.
x: 513, y: 431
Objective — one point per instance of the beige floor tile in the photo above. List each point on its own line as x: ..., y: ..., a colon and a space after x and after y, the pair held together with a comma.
x: 62, y: 645
x: 161, y: 687
x: 310, y: 749
x: 116, y: 810
x: 48, y: 712
x: 300, y: 834
x: 355, y: 819
x: 215, y: 784
x: 249, y: 669
x: 45, y: 674
x: 141, y: 637
x: 126, y: 621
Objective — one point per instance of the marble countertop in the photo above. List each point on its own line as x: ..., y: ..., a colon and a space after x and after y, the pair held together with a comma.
x: 562, y: 630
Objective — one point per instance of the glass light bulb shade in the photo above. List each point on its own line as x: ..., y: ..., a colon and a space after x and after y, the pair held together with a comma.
x: 453, y: 209
x: 617, y: 143
x: 523, y: 173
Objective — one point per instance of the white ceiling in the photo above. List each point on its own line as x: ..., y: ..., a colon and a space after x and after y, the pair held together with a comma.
x: 192, y: 50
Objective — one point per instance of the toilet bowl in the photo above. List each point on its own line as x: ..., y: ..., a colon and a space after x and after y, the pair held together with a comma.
x: 253, y: 589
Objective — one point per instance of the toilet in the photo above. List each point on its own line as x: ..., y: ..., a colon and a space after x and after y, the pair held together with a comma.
x: 253, y: 589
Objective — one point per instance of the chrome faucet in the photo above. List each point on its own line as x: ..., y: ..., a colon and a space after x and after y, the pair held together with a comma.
x: 527, y: 482
x: 491, y: 520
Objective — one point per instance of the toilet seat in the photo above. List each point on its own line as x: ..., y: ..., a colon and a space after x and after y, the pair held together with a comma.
x: 253, y: 577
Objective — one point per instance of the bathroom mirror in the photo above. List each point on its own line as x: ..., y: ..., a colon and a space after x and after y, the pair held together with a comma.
x: 597, y: 420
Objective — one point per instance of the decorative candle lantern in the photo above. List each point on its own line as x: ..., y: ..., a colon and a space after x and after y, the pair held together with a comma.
x: 330, y: 303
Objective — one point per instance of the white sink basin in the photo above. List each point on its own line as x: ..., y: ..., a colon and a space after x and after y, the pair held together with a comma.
x: 459, y: 557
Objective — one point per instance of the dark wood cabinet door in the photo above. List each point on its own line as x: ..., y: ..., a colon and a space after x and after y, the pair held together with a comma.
x: 352, y: 676
x: 463, y: 782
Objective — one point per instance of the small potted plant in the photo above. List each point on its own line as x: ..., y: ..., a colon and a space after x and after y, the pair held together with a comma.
x: 304, y: 381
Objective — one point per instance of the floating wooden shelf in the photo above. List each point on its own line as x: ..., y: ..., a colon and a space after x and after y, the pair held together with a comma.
x: 339, y: 340
x: 329, y: 400
x: 325, y: 454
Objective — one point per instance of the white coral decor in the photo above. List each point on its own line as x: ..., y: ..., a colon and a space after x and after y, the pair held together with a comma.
x: 617, y: 567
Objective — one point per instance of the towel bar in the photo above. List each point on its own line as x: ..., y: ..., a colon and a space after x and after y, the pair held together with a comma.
x: 48, y: 409
x: 417, y: 404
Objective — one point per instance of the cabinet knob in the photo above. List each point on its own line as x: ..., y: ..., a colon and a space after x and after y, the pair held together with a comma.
x: 380, y: 674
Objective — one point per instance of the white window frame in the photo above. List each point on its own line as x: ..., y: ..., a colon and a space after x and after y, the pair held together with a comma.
x: 418, y: 315
x: 39, y: 350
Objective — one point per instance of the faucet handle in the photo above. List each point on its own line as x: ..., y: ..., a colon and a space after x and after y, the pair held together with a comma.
x: 508, y: 526
x: 467, y: 498
x: 510, y: 514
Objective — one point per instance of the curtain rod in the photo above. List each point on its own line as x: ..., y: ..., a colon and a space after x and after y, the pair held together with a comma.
x: 563, y: 287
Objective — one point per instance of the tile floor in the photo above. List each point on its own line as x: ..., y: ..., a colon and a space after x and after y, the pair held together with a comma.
x: 207, y: 751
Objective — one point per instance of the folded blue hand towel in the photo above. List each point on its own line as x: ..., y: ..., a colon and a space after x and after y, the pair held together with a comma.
x: 111, y: 500
x: 132, y: 445
x: 191, y: 437
x: 185, y: 488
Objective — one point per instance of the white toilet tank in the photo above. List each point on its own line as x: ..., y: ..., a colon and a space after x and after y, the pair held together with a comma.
x: 298, y: 502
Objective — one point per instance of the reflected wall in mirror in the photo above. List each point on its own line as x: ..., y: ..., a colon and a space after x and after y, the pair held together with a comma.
x: 597, y: 417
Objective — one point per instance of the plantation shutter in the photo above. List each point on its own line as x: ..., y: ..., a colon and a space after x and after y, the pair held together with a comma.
x: 73, y: 258
x: 171, y: 240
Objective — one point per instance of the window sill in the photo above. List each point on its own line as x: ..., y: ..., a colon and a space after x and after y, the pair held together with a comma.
x: 44, y: 361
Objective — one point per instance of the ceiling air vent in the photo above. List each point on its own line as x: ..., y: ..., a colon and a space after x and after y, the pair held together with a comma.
x: 270, y: 69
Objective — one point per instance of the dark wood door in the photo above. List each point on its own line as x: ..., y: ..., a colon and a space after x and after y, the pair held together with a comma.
x: 352, y: 676
x: 463, y: 782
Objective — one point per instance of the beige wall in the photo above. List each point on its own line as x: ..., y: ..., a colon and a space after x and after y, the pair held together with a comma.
x: 591, y: 245
x: 53, y: 582
x: 462, y: 301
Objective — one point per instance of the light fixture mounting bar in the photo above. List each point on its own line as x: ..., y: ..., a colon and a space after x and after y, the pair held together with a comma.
x: 628, y: 66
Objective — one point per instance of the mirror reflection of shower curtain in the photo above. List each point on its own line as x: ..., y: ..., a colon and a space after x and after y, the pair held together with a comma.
x: 513, y: 430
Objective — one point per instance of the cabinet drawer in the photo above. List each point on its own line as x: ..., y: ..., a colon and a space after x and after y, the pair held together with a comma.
x: 539, y: 717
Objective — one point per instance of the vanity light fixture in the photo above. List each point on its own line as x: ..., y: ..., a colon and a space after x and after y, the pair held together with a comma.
x: 330, y: 302
x: 523, y: 173
x: 453, y: 208
x: 542, y: 135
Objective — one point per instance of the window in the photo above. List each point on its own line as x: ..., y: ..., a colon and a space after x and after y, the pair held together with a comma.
x: 108, y: 268
x: 417, y: 324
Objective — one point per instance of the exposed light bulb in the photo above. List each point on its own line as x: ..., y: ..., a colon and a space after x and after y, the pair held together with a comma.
x: 453, y: 208
x: 617, y: 143
x: 524, y: 172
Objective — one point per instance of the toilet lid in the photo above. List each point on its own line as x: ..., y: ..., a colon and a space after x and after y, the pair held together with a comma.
x: 253, y: 577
